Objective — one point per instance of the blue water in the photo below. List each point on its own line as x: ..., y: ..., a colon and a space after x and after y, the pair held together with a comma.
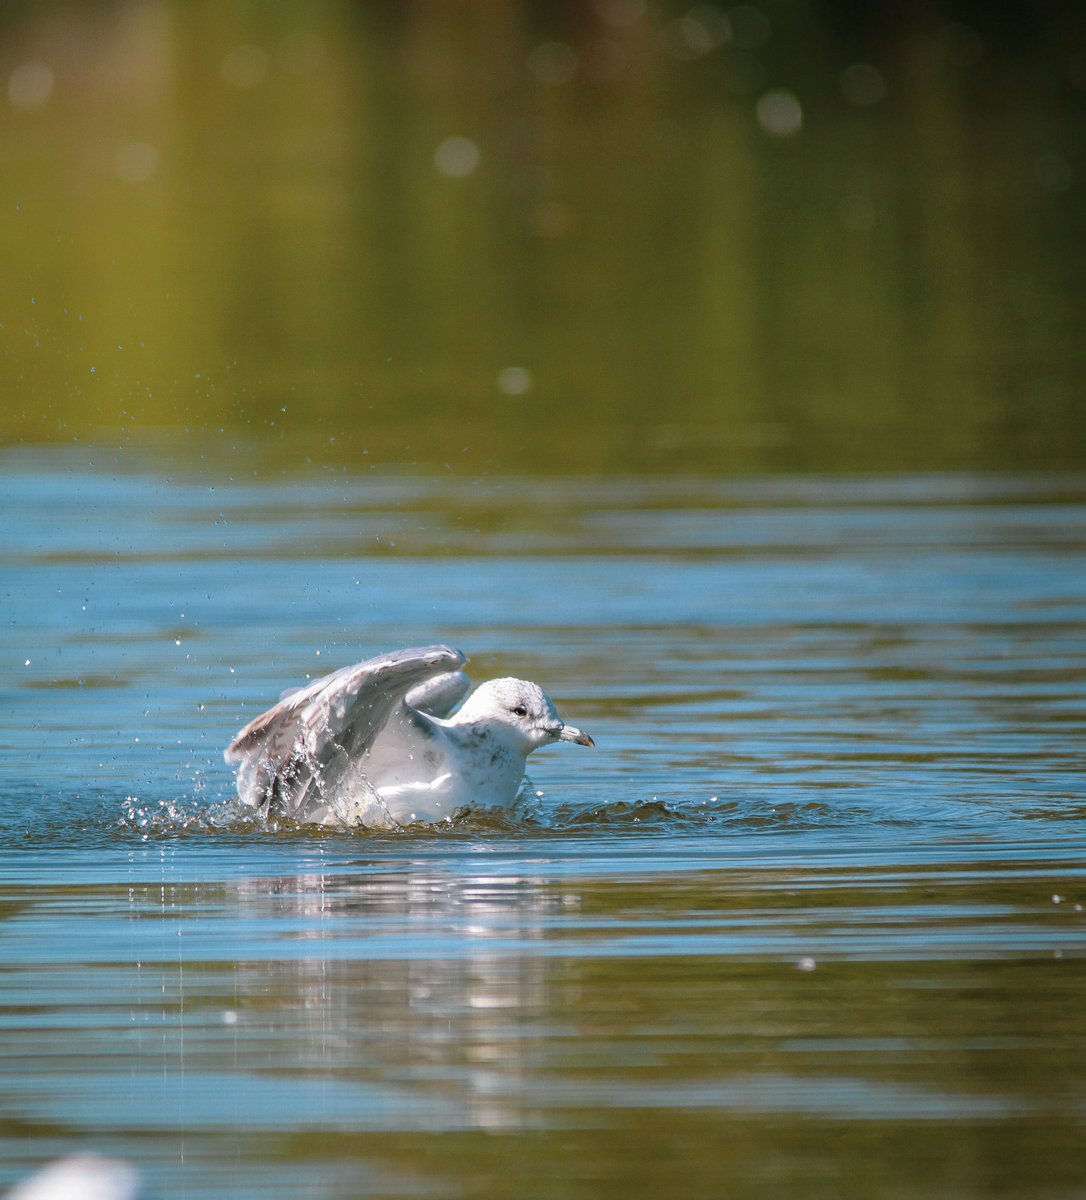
x: 808, y: 920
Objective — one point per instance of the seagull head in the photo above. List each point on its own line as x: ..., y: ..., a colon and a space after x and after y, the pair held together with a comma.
x: 524, y: 710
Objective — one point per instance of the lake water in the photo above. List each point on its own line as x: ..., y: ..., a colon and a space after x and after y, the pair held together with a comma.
x: 719, y: 366
x: 808, y: 922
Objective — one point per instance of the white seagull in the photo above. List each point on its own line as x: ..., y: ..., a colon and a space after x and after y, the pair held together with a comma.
x: 378, y: 744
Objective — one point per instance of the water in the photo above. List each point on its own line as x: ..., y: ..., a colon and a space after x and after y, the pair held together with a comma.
x: 896, y: 285
x: 808, y: 921
x: 717, y: 366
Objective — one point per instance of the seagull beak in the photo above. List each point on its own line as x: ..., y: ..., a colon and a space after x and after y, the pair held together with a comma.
x: 571, y: 734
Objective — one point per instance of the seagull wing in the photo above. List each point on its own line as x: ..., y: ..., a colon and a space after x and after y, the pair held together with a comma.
x: 297, y: 752
x: 440, y: 695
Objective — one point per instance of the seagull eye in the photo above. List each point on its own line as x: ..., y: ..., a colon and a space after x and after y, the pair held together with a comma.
x: 518, y: 710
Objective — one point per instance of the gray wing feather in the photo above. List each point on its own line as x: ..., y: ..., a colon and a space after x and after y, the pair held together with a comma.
x: 438, y: 697
x: 291, y: 754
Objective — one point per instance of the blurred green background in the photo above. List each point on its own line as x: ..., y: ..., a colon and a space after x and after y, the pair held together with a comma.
x: 491, y: 235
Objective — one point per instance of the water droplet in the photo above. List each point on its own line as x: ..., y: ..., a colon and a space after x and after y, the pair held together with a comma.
x: 780, y: 114
x: 457, y: 157
x: 514, y: 381
x: 30, y: 85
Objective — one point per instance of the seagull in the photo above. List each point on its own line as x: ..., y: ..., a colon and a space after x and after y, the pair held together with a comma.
x: 381, y: 744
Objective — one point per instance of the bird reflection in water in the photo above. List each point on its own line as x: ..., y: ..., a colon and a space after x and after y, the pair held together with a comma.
x: 412, y: 979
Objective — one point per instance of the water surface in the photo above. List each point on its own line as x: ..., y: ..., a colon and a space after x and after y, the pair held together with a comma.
x: 717, y: 366
x: 808, y: 921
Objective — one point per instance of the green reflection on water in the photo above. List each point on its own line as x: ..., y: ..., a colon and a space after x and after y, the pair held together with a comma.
x: 248, y: 221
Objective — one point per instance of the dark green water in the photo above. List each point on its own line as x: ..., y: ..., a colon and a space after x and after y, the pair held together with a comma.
x: 238, y: 222
x: 719, y: 368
